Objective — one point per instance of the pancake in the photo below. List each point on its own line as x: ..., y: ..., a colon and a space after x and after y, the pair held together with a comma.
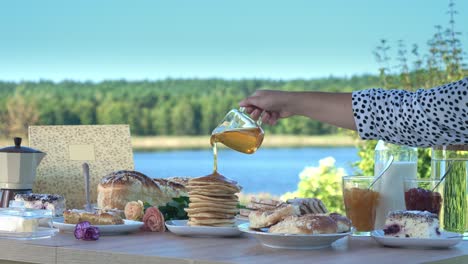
x: 213, y: 215
x: 208, y: 193
x: 209, y: 221
x: 217, y: 187
x: 210, y: 209
x: 189, y: 223
x: 213, y: 178
x: 198, y: 197
x: 214, y: 205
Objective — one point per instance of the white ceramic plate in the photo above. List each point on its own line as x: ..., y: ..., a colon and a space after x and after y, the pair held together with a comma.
x: 292, y: 241
x: 446, y: 240
x: 180, y: 227
x: 129, y: 226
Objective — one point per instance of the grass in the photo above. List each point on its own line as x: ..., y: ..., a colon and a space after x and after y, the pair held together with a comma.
x: 148, y: 143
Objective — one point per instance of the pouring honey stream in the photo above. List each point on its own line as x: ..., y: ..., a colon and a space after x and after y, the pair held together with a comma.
x: 238, y: 132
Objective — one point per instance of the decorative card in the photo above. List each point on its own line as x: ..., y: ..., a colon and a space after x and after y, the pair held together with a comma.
x: 106, y: 148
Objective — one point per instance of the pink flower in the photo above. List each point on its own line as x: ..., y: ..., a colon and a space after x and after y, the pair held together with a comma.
x: 153, y: 220
x: 134, y: 210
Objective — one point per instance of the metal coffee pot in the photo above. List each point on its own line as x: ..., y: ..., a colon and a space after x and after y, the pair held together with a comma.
x: 17, y: 170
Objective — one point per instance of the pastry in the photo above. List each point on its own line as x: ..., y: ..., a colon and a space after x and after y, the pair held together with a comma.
x: 309, y: 205
x: 257, y: 203
x: 53, y: 202
x: 244, y: 212
x: 76, y: 216
x: 413, y: 224
x: 266, y: 218
x: 172, y: 187
x: 343, y: 223
x: 121, y: 187
x: 306, y: 224
x: 270, y: 202
x: 256, y: 206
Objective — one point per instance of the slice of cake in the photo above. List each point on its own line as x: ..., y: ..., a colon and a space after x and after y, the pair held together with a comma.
x: 53, y: 202
x: 413, y: 224
x: 97, y: 218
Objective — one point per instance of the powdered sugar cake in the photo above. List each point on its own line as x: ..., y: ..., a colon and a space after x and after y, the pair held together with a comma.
x: 306, y: 224
x: 412, y: 224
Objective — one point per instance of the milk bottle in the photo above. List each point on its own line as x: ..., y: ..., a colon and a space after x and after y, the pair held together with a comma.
x: 390, y: 186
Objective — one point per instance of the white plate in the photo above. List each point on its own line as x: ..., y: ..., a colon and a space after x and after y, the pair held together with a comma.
x: 292, y: 241
x: 128, y: 227
x: 442, y: 242
x: 180, y: 227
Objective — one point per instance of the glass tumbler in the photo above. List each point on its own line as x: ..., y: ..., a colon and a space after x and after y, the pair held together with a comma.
x: 424, y: 195
x: 450, y: 163
x: 360, y: 203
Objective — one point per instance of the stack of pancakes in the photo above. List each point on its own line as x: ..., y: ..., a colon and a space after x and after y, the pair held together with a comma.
x: 212, y: 201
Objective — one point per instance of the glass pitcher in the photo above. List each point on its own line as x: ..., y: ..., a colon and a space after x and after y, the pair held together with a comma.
x: 239, y: 132
x: 391, y: 185
x: 452, y: 162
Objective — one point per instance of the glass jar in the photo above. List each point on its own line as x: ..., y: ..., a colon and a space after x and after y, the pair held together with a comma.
x: 391, y: 185
x: 239, y: 132
x: 452, y: 161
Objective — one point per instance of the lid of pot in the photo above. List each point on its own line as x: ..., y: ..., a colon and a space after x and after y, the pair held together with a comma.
x: 17, y: 148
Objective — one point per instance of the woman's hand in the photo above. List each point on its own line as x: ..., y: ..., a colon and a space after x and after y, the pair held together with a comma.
x: 331, y: 108
x: 268, y: 104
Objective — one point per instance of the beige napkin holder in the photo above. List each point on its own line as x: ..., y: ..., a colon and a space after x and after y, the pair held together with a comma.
x: 106, y: 148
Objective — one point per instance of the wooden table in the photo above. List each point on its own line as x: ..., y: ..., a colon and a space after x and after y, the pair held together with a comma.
x: 142, y: 248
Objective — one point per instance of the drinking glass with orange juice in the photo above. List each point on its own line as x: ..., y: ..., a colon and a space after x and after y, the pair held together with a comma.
x: 360, y: 203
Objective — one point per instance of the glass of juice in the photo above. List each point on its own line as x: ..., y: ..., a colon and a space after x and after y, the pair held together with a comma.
x: 360, y: 203
x: 423, y: 195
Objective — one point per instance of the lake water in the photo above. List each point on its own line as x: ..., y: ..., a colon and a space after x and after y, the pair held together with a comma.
x: 274, y: 170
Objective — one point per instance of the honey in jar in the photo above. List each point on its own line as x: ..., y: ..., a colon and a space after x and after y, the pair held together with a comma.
x: 243, y: 140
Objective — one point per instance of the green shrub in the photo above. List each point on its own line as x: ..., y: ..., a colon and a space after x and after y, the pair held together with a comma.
x: 322, y: 182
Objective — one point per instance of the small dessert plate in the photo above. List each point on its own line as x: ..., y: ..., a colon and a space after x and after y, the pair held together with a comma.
x: 180, y: 227
x: 446, y: 240
x: 292, y: 241
x: 128, y: 226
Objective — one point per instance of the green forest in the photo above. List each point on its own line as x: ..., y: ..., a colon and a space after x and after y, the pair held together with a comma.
x: 163, y: 107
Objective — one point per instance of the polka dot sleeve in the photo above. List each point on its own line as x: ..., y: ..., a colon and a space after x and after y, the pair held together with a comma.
x: 424, y: 118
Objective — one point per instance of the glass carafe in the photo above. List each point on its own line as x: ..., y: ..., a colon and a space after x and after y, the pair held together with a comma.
x: 239, y: 132
x: 390, y: 186
x: 452, y: 161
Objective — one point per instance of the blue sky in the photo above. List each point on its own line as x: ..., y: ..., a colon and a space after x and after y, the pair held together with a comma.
x: 151, y: 39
